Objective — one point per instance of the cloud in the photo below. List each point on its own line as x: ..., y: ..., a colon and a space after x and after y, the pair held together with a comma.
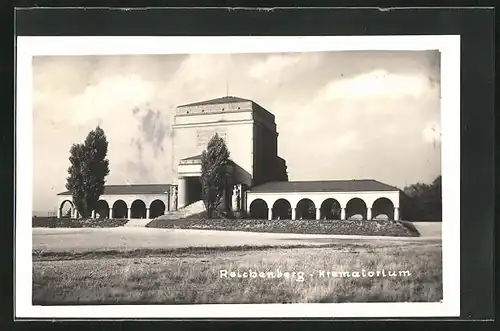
x: 279, y: 69
x: 377, y: 83
x: 349, y: 141
x: 334, y: 111
x: 198, y: 74
x: 272, y: 65
x: 112, y: 97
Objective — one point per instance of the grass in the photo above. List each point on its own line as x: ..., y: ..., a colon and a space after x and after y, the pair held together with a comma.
x: 48, y: 255
x: 192, y: 276
x: 347, y: 227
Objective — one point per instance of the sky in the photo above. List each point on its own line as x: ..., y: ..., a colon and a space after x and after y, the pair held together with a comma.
x: 340, y: 115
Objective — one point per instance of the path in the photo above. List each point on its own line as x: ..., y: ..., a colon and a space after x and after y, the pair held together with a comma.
x: 84, y: 239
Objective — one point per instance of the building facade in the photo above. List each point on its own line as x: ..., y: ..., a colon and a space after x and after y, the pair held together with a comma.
x: 250, y: 134
x: 258, y: 182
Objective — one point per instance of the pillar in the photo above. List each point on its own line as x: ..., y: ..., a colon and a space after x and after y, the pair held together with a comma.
x: 173, y: 198
x: 181, y: 192
x: 294, y: 213
x: 342, y: 213
x: 110, y: 213
x: 368, y: 213
x: 93, y: 214
x: 241, y: 198
x: 147, y: 213
x: 269, y: 213
x: 226, y: 198
x: 59, y: 212
x: 129, y: 214
x: 234, y: 199
x: 318, y: 213
x: 396, y: 213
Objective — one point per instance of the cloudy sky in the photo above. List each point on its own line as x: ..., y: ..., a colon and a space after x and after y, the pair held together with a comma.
x: 340, y: 115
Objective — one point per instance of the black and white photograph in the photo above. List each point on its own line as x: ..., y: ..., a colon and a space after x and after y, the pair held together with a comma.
x: 233, y: 174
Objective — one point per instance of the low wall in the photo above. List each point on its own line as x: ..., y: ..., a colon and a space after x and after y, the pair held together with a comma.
x: 351, y: 227
x: 54, y: 222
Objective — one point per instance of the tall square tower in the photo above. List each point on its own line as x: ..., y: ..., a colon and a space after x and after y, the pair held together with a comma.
x: 248, y: 130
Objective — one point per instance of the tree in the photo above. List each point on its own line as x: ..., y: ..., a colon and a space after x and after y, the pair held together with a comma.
x: 214, y: 162
x: 433, y: 201
x: 336, y: 210
x: 423, y: 201
x: 88, y: 170
x: 311, y: 211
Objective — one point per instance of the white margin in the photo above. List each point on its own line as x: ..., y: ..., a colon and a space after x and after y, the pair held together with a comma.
x: 449, y: 46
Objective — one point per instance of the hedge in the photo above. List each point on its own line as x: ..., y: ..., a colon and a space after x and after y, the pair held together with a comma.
x: 348, y: 227
x: 53, y: 222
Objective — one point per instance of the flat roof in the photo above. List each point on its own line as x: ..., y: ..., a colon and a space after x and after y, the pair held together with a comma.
x: 132, y: 189
x: 354, y: 185
x: 223, y: 100
x: 191, y: 158
x: 197, y: 158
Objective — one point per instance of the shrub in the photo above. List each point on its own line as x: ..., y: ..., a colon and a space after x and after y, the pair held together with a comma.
x: 53, y: 222
x: 348, y: 227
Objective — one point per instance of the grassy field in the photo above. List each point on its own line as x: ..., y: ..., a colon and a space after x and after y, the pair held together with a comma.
x: 193, y: 276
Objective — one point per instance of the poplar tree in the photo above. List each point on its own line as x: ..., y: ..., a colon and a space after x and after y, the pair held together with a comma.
x: 88, y: 170
x: 214, y: 162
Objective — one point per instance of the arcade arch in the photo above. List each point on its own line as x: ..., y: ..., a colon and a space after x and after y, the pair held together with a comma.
x: 156, y: 208
x: 138, y: 209
x: 282, y: 209
x: 120, y: 209
x: 356, y: 209
x: 383, y: 209
x: 258, y: 209
x: 306, y: 209
x: 102, y: 209
x: 331, y: 209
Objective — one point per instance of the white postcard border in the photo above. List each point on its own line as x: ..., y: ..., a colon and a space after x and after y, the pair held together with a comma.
x: 449, y: 46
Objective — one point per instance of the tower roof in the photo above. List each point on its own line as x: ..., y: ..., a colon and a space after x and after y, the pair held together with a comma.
x: 223, y: 100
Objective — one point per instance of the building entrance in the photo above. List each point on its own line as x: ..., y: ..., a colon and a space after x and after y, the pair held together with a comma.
x: 193, y: 188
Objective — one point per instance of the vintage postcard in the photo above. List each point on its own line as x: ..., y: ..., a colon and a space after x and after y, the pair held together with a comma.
x: 176, y: 177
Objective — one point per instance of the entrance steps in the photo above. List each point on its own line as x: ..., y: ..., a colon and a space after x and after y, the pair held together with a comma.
x: 191, y: 209
x: 137, y: 223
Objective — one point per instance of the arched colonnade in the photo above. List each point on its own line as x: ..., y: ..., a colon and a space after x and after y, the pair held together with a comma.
x: 135, y: 207
x: 324, y: 205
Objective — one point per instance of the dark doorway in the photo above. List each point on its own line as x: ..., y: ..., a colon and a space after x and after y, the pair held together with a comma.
x: 193, y: 188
